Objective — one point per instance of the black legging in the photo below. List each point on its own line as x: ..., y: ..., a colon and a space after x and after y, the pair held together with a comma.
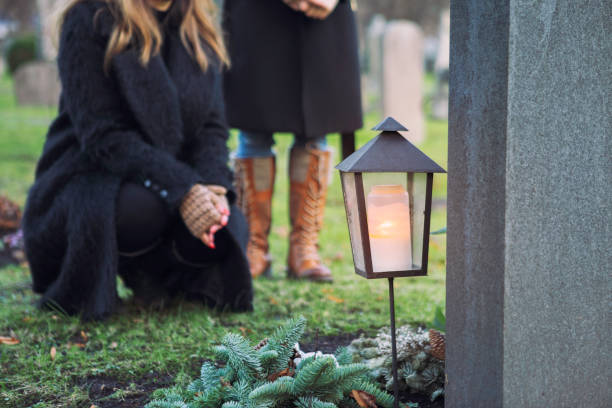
x: 143, y: 221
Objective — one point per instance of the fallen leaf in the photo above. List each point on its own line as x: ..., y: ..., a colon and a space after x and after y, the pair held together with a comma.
x: 335, y: 299
x: 287, y: 372
x: 273, y: 301
x: 79, y: 345
x: 364, y: 400
x: 245, y: 330
x: 338, y: 256
x: 53, y: 352
x: 9, y: 341
x: 114, y: 345
x: 27, y: 319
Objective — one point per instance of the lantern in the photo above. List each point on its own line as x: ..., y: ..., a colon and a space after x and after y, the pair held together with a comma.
x: 387, y: 187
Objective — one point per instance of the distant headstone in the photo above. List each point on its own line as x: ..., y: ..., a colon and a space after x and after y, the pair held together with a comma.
x: 443, y: 55
x: 37, y: 83
x: 403, y: 76
x: 439, y: 106
x: 430, y: 51
x: 49, y: 11
x: 374, y: 61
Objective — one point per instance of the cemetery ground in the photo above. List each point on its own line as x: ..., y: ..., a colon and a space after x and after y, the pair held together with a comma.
x: 63, y: 362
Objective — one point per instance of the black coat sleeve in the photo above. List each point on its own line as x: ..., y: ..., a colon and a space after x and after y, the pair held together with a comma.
x: 105, y: 130
x: 208, y: 151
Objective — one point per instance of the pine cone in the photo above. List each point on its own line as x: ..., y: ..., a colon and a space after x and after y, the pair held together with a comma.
x: 437, y: 342
x: 10, y: 214
x: 261, y: 344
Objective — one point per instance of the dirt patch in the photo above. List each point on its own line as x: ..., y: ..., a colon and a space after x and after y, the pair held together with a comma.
x: 128, y: 394
x: 327, y: 344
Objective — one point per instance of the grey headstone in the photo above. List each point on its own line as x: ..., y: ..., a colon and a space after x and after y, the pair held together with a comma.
x: 374, y: 57
x: 49, y: 13
x: 529, y: 213
x: 443, y: 54
x: 37, y: 83
x: 403, y: 77
x: 439, y: 103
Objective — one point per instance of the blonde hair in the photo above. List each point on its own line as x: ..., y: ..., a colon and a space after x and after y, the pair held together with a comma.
x: 136, y: 23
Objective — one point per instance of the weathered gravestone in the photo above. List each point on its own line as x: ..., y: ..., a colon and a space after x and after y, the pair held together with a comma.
x: 49, y: 12
x: 529, y: 205
x: 374, y: 57
x: 37, y: 83
x: 439, y: 104
x: 403, y: 76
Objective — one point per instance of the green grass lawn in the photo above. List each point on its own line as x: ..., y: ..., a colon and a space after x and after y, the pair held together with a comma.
x: 140, y: 346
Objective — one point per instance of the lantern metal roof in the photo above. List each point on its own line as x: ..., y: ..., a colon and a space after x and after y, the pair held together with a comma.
x: 389, y: 152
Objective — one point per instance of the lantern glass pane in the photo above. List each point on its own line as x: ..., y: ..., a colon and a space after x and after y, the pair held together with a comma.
x: 395, y: 203
x: 352, y: 216
x: 419, y: 188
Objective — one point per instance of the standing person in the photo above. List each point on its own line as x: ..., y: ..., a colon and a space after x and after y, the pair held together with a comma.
x: 295, y: 69
x: 133, y: 179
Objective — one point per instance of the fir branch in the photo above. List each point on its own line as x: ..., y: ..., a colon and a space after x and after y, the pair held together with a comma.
x: 343, y: 356
x: 311, y: 402
x: 242, y: 358
x: 283, y: 342
x: 312, y: 374
x: 280, y: 390
x: 268, y: 360
x: 213, y: 397
x: 170, y: 401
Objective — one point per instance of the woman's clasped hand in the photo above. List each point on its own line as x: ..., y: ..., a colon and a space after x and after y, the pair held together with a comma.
x: 318, y: 9
x: 205, y: 211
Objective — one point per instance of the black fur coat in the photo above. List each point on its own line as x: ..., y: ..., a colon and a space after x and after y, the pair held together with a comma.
x: 163, y: 122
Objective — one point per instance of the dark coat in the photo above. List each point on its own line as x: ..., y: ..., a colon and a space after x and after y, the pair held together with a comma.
x: 291, y: 73
x: 163, y: 123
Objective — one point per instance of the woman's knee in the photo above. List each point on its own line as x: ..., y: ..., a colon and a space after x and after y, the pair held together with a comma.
x: 141, y: 218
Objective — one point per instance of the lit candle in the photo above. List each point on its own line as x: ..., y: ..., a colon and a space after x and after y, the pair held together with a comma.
x: 389, y: 228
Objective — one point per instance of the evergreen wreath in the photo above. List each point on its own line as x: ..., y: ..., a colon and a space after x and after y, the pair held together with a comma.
x: 265, y: 376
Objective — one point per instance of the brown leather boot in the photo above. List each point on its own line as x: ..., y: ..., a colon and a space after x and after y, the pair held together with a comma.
x: 254, y: 184
x: 308, y: 174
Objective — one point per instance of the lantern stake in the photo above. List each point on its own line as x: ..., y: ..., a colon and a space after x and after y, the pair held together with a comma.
x: 393, y: 345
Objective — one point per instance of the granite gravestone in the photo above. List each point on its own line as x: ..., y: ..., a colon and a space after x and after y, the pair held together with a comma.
x: 374, y: 57
x: 439, y: 103
x: 49, y: 12
x: 37, y: 83
x: 529, y: 213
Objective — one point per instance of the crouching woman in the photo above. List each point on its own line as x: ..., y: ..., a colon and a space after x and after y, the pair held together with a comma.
x: 133, y: 179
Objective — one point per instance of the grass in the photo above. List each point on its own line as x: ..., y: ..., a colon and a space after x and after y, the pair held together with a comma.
x: 171, y: 343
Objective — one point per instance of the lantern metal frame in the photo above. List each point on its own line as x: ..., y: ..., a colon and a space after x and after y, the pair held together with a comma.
x: 389, y: 152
